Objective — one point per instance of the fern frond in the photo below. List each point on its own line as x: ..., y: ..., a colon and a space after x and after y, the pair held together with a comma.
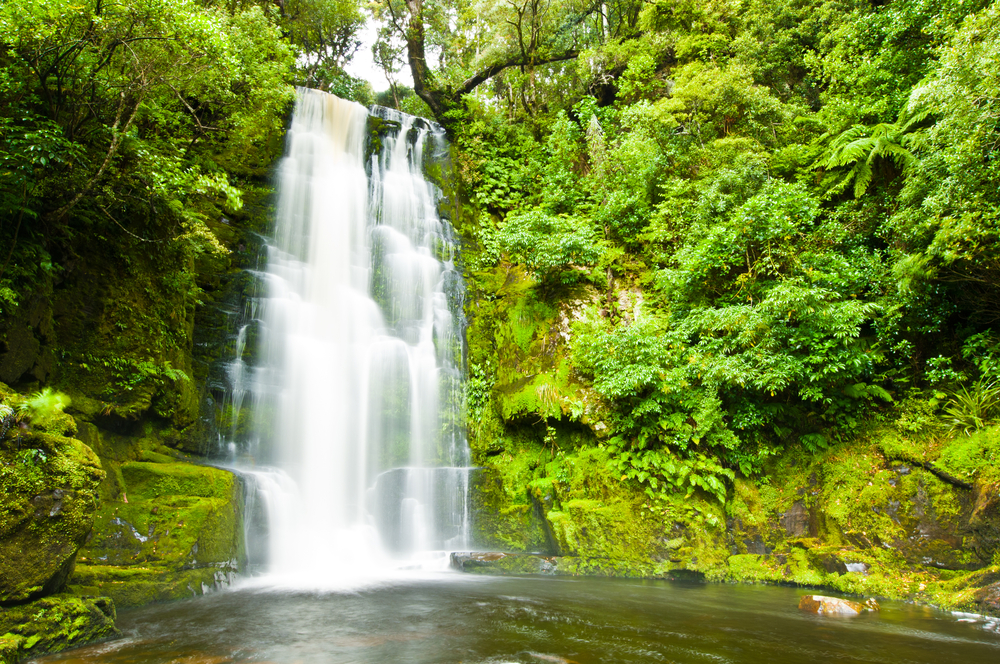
x: 862, y: 178
x: 897, y: 153
x: 854, y: 151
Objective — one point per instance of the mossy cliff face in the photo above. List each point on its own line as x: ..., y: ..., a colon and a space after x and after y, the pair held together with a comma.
x: 114, y: 327
x: 48, y: 497
x: 130, y: 329
x: 904, y: 509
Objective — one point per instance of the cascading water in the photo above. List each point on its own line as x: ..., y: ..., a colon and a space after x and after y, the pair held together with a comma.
x: 357, y: 396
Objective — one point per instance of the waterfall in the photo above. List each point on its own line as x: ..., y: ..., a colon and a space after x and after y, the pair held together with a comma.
x: 362, y: 463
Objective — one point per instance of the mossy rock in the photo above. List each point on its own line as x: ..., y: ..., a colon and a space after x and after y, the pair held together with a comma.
x: 54, y: 623
x: 503, y: 564
x: 48, y: 499
x: 131, y: 586
x: 511, y: 523
x: 180, y: 531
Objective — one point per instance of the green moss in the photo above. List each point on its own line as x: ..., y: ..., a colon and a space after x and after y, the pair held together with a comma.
x: 48, y: 498
x: 537, y: 430
x: 914, y: 536
x: 54, y: 624
x: 136, y: 586
x: 503, y: 564
x: 974, y: 457
x: 181, y: 526
x: 148, y: 480
x: 507, y: 517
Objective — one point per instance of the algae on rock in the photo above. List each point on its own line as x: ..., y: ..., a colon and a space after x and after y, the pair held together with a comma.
x: 179, y: 533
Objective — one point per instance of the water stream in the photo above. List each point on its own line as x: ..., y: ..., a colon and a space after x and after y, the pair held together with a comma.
x: 481, y: 620
x: 357, y: 462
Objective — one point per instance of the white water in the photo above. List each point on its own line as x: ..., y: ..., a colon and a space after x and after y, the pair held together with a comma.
x: 356, y: 395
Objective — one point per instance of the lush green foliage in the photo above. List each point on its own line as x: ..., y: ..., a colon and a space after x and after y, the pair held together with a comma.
x: 803, y: 194
x: 770, y: 220
x: 132, y: 120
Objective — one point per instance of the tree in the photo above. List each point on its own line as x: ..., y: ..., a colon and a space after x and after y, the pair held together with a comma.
x: 551, y: 246
x: 178, y: 91
x: 522, y: 34
x: 325, y: 34
x: 860, y: 148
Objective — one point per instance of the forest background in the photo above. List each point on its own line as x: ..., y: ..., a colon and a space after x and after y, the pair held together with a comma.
x: 697, y: 234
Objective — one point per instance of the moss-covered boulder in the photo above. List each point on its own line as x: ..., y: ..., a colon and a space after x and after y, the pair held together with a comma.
x: 48, y: 497
x: 53, y: 624
x: 175, y: 531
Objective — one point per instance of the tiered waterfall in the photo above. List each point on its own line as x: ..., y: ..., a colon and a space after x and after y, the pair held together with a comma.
x: 358, y: 387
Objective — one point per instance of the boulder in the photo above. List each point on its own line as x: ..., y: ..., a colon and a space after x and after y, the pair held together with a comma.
x: 48, y: 498
x: 835, y: 606
x: 494, y: 562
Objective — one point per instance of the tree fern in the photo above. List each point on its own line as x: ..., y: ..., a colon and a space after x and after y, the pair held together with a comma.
x: 857, y: 148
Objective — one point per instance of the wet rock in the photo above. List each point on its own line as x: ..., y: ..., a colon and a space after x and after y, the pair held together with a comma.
x: 988, y: 599
x: 984, y: 523
x: 757, y: 546
x: 495, y: 562
x: 936, y: 522
x: 832, y: 564
x: 179, y: 533
x: 835, y: 606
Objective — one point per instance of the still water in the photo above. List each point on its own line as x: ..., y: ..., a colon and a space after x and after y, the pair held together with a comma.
x: 491, y: 620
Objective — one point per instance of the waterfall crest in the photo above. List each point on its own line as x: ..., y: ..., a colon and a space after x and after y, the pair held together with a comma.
x: 359, y: 381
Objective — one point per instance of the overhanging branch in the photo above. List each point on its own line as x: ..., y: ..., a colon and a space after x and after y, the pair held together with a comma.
x: 489, y: 72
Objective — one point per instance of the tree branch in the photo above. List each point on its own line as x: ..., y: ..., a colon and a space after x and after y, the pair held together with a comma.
x: 940, y: 474
x: 489, y: 72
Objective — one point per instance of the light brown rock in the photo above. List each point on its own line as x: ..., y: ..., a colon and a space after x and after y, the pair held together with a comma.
x: 834, y: 606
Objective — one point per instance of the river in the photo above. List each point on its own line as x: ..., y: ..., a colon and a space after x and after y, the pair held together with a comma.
x: 451, y: 617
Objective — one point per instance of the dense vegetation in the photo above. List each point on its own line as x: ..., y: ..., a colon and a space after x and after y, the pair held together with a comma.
x: 799, y: 200
x: 131, y: 135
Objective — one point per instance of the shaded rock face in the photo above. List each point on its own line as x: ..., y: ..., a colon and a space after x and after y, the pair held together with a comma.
x: 988, y: 599
x: 48, y: 498
x: 984, y: 521
x: 21, y: 352
x: 53, y: 624
x: 796, y: 520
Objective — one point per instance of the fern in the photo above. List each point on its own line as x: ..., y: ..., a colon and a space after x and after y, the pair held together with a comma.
x: 859, y: 147
x: 45, y: 403
x: 970, y: 408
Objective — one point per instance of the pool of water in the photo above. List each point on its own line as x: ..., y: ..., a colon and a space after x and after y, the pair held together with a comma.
x: 494, y: 620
